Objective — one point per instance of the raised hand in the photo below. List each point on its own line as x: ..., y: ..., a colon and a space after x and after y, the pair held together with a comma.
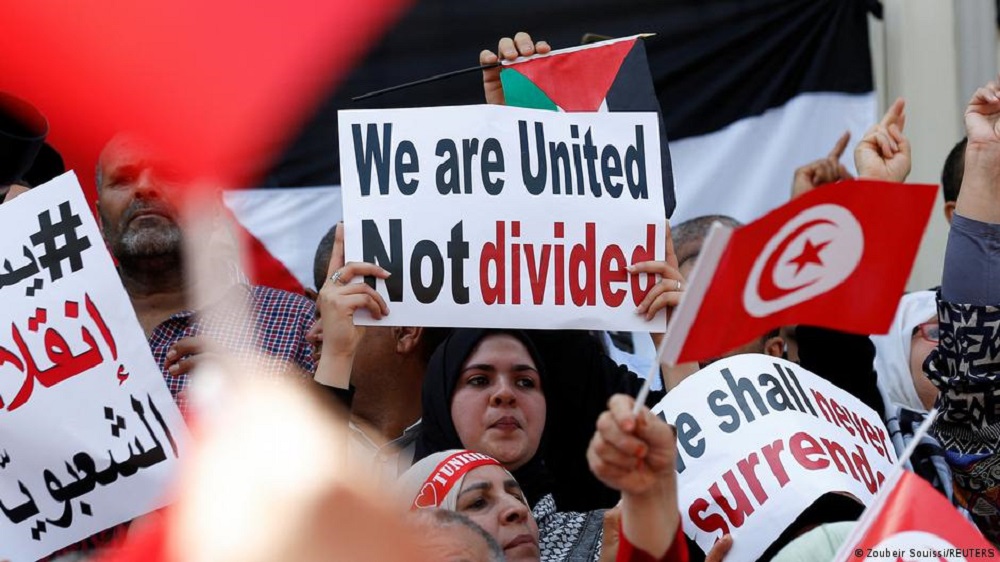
x: 979, y: 198
x: 338, y: 300
x: 884, y: 151
x: 982, y: 116
x: 633, y: 454
x: 637, y: 454
x: 822, y: 171
x: 508, y: 49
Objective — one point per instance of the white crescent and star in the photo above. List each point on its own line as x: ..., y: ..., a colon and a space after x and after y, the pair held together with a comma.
x: 812, y: 253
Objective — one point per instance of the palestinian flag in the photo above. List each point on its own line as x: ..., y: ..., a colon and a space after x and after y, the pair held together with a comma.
x: 749, y: 91
x: 606, y: 76
x: 280, y: 230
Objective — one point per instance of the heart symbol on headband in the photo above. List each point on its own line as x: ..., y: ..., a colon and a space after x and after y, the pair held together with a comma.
x: 427, y: 497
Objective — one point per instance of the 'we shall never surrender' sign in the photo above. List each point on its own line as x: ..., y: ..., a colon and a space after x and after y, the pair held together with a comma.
x: 504, y: 217
x: 759, y: 440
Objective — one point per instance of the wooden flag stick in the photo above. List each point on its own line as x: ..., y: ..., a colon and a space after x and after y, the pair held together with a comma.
x: 434, y: 78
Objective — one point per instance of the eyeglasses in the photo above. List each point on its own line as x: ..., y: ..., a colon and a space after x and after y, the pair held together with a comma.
x: 930, y: 331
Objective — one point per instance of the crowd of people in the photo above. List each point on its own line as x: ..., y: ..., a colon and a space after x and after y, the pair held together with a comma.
x: 526, y: 445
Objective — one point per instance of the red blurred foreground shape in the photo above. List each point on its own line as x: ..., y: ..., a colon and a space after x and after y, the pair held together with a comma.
x: 215, y: 86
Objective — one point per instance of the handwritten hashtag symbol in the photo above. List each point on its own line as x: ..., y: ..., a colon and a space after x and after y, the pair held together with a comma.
x: 49, y: 233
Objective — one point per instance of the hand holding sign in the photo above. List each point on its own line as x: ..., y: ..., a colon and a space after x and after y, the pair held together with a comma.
x: 520, y: 46
x: 338, y: 300
x: 667, y: 293
x: 884, y: 152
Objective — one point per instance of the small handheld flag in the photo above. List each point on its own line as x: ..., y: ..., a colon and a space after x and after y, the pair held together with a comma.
x: 829, y: 258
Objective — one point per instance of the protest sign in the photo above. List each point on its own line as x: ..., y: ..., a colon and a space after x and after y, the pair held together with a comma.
x: 89, y: 434
x: 493, y: 216
x: 612, y: 75
x: 759, y: 440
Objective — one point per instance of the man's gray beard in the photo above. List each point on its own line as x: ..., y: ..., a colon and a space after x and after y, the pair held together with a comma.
x: 141, y: 243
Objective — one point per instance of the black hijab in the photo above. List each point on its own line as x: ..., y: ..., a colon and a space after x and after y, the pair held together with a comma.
x: 438, y: 431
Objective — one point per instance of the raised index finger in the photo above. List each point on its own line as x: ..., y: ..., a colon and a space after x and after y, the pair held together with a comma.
x: 893, y: 114
x: 337, y: 254
x: 671, y: 254
x: 838, y: 149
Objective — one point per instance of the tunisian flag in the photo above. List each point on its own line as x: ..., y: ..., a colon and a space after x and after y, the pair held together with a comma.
x: 912, y: 521
x: 837, y: 257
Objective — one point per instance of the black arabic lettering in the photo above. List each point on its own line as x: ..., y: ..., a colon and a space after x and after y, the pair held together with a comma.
x: 60, y: 495
x: 86, y: 477
x: 154, y: 455
x: 21, y: 512
x: 15, y: 276
x: 163, y: 424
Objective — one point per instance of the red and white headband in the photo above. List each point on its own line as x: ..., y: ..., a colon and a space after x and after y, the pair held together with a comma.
x: 446, y: 474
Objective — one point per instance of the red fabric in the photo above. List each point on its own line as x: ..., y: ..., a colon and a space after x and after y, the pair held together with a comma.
x: 446, y: 474
x: 263, y: 268
x: 146, y: 544
x: 217, y: 86
x: 915, y: 516
x: 579, y: 80
x: 627, y: 552
x: 794, y: 266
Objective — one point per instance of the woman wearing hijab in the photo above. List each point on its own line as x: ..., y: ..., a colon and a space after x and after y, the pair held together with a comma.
x: 907, y: 392
x: 900, y: 354
x: 635, y: 455
x: 485, y: 390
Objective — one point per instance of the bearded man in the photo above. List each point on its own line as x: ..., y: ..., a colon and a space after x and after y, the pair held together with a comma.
x: 141, y: 227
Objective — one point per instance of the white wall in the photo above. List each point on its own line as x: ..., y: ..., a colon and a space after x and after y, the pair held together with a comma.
x: 933, y: 53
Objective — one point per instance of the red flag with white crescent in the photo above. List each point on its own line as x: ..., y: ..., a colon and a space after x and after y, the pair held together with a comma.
x: 915, y: 522
x: 837, y: 257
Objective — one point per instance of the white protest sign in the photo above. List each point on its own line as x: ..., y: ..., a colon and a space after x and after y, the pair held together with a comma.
x: 89, y: 435
x: 505, y: 217
x: 759, y: 440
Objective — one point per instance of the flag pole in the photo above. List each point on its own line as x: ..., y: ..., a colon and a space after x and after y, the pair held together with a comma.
x: 887, y: 485
x: 640, y: 397
x: 429, y: 79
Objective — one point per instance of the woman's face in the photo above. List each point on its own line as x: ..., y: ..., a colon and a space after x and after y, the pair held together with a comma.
x: 498, y: 406
x: 491, y: 498
x: 920, y: 347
